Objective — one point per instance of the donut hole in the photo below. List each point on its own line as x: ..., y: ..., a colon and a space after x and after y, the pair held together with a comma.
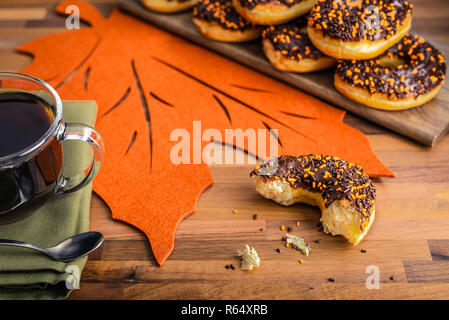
x: 388, y: 62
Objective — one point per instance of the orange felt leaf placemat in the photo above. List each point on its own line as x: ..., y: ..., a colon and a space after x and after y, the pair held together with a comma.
x: 148, y: 83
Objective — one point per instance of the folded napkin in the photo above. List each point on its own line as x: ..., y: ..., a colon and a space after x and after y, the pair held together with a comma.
x: 26, y: 274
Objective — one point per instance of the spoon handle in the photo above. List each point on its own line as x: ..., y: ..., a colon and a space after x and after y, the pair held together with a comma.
x: 15, y: 243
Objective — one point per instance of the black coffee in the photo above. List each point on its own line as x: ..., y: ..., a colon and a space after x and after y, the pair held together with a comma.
x: 26, y: 183
x: 24, y: 119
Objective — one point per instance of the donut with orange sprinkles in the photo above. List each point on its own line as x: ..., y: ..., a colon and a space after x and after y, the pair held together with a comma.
x: 218, y: 20
x: 358, y: 29
x: 407, y: 75
x: 341, y: 189
x: 269, y: 12
x: 288, y: 48
x: 168, y: 6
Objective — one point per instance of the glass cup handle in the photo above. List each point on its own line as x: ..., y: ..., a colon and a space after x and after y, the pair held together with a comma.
x: 80, y: 132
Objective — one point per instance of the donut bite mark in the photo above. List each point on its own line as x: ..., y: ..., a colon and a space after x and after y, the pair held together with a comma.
x: 343, y: 192
x: 168, y: 6
x: 362, y: 29
x: 407, y: 75
x: 218, y: 20
x: 269, y: 12
x: 288, y: 48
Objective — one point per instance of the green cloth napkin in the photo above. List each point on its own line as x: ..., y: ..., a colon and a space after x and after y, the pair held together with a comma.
x: 25, y: 274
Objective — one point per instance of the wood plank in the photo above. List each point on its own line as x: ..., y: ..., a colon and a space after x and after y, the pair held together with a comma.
x: 407, y: 222
x: 22, y: 13
x: 328, y: 251
x: 426, y: 124
x: 12, y: 24
x: 427, y: 271
x: 10, y: 61
x: 439, y: 249
x: 11, y: 38
x: 287, y: 290
x: 144, y: 272
x: 368, y: 128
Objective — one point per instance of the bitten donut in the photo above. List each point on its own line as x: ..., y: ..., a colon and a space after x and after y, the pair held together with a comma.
x: 343, y: 192
x: 358, y: 29
x: 288, y: 48
x: 168, y: 6
x: 270, y: 12
x: 407, y: 75
x: 218, y: 20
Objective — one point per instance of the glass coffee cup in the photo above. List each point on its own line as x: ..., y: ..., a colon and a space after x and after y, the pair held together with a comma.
x: 31, y: 152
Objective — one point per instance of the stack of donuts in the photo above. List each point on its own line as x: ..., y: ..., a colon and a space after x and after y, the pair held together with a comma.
x: 378, y: 63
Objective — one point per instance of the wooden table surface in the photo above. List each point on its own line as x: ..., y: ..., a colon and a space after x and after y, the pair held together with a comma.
x: 409, y: 241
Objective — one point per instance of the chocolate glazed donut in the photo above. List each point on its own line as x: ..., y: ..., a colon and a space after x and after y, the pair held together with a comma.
x: 405, y: 76
x: 358, y: 29
x: 288, y: 48
x: 168, y: 6
x: 218, y: 20
x: 269, y: 12
x: 342, y: 190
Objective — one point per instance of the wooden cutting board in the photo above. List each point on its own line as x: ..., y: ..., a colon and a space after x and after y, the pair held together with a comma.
x: 426, y: 124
